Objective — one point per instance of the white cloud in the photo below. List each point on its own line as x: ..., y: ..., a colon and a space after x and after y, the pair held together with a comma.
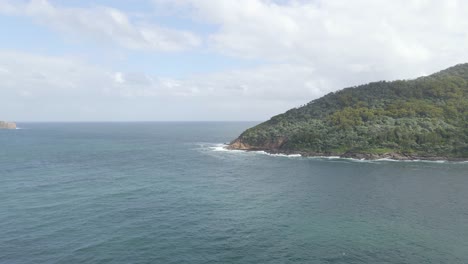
x: 118, y: 77
x: 103, y: 24
x: 388, y: 39
x: 308, y: 48
x: 4, y: 70
x: 67, y: 88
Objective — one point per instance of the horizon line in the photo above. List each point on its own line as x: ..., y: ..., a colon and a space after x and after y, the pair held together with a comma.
x: 143, y: 121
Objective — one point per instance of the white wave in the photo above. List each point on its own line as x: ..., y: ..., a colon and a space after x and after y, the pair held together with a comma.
x: 278, y: 154
x: 419, y: 160
x: 384, y: 160
x: 285, y: 155
x: 325, y: 157
x: 219, y: 147
x: 223, y: 148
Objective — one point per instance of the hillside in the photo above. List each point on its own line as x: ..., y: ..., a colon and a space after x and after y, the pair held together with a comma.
x: 424, y: 118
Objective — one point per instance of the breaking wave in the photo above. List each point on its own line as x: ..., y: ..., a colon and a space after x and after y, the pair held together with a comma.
x: 223, y: 148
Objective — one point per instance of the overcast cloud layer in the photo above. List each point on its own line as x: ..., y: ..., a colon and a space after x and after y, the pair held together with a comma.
x: 301, y: 49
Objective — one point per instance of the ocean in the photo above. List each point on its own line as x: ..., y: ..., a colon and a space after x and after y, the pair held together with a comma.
x: 169, y: 193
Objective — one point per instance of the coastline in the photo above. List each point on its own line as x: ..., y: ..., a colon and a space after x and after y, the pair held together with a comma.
x: 350, y: 155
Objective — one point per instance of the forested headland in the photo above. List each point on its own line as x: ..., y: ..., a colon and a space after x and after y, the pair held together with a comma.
x: 406, y: 119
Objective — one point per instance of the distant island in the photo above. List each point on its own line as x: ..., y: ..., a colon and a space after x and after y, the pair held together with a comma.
x: 425, y: 118
x: 7, y: 125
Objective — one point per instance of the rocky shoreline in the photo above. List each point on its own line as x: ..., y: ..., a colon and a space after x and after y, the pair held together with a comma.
x: 239, y: 145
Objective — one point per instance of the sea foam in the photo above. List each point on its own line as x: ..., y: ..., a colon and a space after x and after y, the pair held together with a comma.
x: 223, y: 148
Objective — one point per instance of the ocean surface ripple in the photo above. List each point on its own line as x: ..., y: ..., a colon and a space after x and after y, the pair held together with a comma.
x: 171, y: 193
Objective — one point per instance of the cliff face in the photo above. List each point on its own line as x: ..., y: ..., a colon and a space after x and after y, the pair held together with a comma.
x: 270, y: 144
x: 423, y: 118
x: 7, y: 125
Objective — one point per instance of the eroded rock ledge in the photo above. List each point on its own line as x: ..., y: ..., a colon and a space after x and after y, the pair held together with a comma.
x: 271, y: 145
x: 274, y: 148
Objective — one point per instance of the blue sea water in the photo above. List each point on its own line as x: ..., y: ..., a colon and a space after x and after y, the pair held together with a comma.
x: 168, y: 193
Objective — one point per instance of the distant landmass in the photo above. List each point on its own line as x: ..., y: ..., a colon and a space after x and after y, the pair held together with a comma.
x: 425, y: 118
x: 7, y: 125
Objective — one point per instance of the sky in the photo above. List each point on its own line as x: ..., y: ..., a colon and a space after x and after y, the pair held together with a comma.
x: 211, y: 60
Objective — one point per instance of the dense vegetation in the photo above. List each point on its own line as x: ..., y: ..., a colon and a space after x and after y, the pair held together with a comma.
x: 425, y: 117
